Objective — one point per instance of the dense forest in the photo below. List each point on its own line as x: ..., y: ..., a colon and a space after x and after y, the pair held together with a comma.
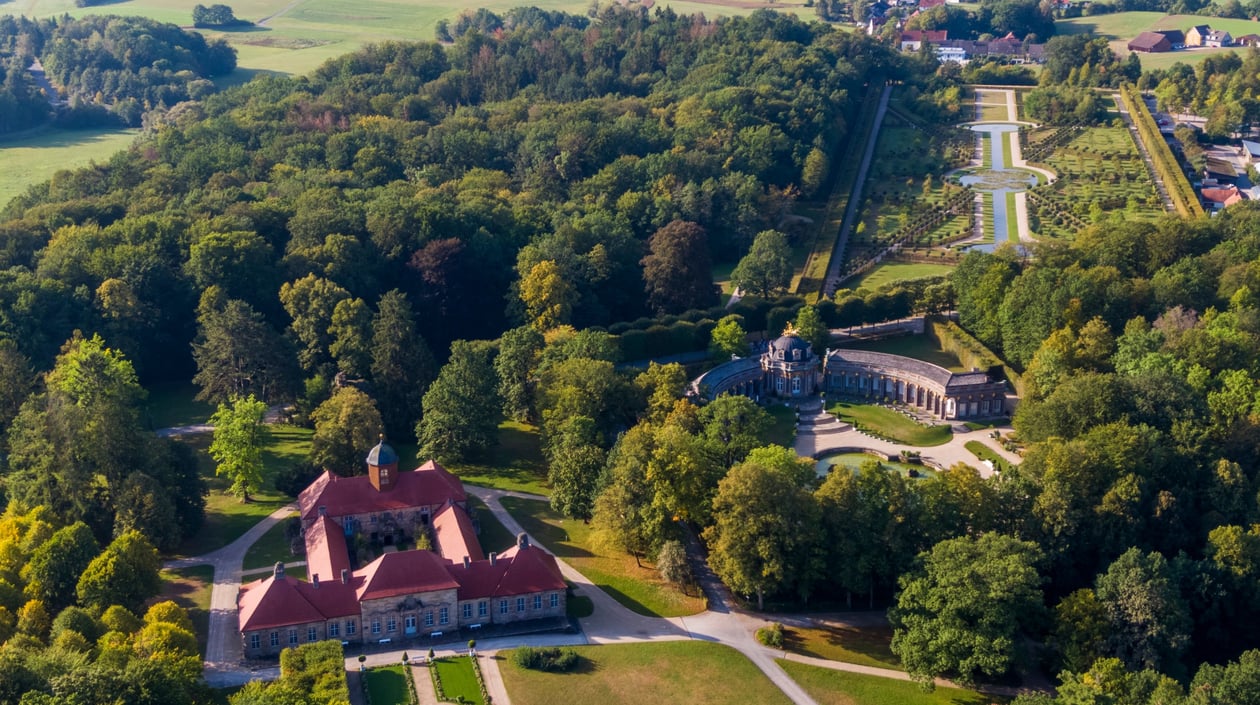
x: 428, y: 238
x: 109, y: 70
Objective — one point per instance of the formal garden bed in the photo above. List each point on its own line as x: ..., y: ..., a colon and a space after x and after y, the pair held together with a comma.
x: 455, y: 680
x: 1101, y: 172
x: 639, y: 587
x: 388, y: 685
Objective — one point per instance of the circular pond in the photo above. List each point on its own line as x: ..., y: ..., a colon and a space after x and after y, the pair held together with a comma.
x: 853, y: 462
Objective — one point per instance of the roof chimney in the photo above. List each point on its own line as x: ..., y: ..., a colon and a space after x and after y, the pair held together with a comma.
x: 467, y: 562
x: 522, y: 540
x: 278, y: 571
x: 493, y: 557
x: 315, y: 580
x: 345, y: 576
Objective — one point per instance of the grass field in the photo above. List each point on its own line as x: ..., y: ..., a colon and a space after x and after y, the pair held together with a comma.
x: 890, y: 424
x: 459, y: 683
x: 890, y: 272
x: 190, y: 588
x: 868, y: 646
x: 640, y: 588
x: 919, y: 347
x: 272, y: 548
x: 387, y: 685
x: 35, y: 158
x: 516, y: 463
x: 984, y: 452
x: 695, y: 672
x: 494, y: 535
x: 830, y: 687
x: 226, y: 516
x: 783, y: 429
x: 172, y: 404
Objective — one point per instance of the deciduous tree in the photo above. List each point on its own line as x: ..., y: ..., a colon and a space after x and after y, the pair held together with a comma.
x: 237, y: 444
x: 54, y: 568
x: 767, y: 268
x: 461, y: 408
x: 678, y: 271
x: 729, y: 337
x: 346, y: 428
x: 402, y: 364
x: 125, y: 573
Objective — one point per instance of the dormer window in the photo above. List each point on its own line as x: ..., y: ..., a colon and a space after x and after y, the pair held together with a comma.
x: 796, y: 354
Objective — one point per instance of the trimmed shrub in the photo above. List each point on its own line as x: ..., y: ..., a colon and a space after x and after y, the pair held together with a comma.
x: 551, y: 659
x: 771, y: 636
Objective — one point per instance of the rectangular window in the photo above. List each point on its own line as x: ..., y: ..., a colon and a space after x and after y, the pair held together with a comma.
x: 520, y: 604
x: 502, y: 606
x: 482, y: 608
x: 467, y: 610
x: 351, y: 627
x: 312, y: 633
x: 334, y: 629
x: 376, y: 626
x: 255, y: 641
x: 391, y: 625
x: 293, y: 636
x: 428, y: 618
x: 537, y: 602
x: 555, y: 599
x: 275, y: 638
x: 444, y: 616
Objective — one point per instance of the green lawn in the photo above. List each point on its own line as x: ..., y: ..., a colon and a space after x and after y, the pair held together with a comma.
x: 516, y: 463
x: 226, y: 516
x: 890, y: 272
x: 459, y: 683
x: 494, y: 535
x: 272, y: 548
x: 984, y: 452
x: 830, y: 687
x: 172, y: 404
x: 695, y: 672
x: 387, y: 685
x: 783, y: 429
x: 640, y: 588
x: 35, y: 158
x: 868, y: 646
x: 919, y: 347
x: 190, y: 588
x: 890, y: 424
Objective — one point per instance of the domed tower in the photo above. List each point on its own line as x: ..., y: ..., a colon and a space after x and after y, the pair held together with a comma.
x: 790, y: 366
x: 382, y: 464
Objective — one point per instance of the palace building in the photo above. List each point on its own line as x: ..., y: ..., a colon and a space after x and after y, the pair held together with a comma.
x: 790, y: 369
x: 401, y: 594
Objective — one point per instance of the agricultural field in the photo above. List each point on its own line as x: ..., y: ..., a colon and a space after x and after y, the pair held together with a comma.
x: 697, y: 672
x: 38, y: 156
x: 1120, y: 27
x: 1100, y: 172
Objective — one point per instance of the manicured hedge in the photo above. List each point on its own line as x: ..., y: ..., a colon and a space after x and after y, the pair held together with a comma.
x: 1179, y: 189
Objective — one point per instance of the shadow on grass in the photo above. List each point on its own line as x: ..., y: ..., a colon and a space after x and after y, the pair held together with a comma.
x: 627, y: 601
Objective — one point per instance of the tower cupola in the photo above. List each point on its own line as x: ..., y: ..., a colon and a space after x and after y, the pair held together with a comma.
x: 382, y: 463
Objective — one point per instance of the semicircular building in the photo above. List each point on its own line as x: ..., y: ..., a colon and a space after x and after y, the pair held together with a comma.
x: 790, y: 369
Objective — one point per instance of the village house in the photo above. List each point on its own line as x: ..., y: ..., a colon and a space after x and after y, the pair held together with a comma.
x: 1150, y: 43
x: 401, y: 594
x: 913, y: 39
x: 1204, y: 36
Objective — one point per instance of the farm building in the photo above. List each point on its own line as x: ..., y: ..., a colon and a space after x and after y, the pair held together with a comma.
x: 1150, y: 43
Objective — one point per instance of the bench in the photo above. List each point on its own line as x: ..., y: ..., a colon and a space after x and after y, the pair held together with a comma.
x: 434, y: 635
x: 386, y: 640
x: 475, y: 626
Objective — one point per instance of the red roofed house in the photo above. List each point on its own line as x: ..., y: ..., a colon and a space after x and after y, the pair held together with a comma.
x: 1218, y: 198
x: 403, y: 594
x: 913, y: 39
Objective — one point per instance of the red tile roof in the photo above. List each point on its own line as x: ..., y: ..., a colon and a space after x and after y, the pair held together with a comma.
x: 428, y: 485
x: 277, y: 602
x: 530, y: 569
x: 326, y: 551
x: 479, y: 579
x: 456, y: 537
x: 404, y: 573
x: 1226, y: 195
